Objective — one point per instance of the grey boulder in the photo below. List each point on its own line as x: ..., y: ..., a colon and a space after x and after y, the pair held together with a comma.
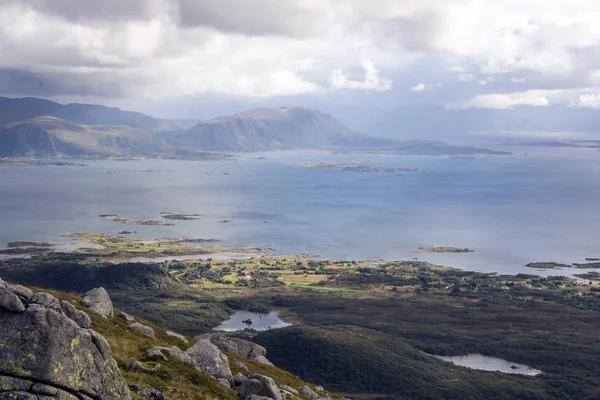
x: 308, y: 392
x: 99, y: 302
x: 259, y: 385
x: 23, y: 292
x: 143, y: 329
x: 10, y: 302
x: 81, y: 318
x: 243, y: 348
x: 43, y: 345
x: 126, y: 317
x: 207, y: 358
x: 176, y: 335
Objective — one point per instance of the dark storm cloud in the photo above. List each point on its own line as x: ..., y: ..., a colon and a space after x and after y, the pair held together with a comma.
x: 93, y: 10
x: 249, y: 17
x: 22, y: 82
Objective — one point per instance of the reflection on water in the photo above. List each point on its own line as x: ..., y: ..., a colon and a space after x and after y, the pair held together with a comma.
x: 484, y: 363
x: 251, y: 320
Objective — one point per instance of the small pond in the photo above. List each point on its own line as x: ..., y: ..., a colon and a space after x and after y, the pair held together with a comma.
x: 251, y: 320
x: 484, y: 363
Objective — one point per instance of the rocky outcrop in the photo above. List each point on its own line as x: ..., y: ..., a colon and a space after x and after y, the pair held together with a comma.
x: 259, y: 385
x: 99, y: 302
x: 207, y: 358
x: 143, y: 329
x: 308, y: 392
x: 176, y: 335
x: 144, y: 367
x: 45, y: 353
x: 243, y: 348
x: 204, y: 355
x: 126, y: 317
x: 289, y: 389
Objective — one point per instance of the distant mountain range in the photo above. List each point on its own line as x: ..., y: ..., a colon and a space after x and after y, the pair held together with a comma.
x: 32, y: 127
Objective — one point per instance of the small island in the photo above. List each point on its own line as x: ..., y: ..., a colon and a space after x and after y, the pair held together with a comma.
x: 444, y: 249
x: 546, y: 265
x: 180, y: 216
x: 118, y: 218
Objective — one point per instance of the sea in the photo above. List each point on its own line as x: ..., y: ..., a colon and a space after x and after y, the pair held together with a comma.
x: 538, y: 204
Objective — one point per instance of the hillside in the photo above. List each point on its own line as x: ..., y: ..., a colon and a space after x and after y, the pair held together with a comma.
x: 19, y: 109
x: 79, y: 347
x: 270, y: 129
x: 55, y: 137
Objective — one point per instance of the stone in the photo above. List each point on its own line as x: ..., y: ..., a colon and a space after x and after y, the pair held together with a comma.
x: 17, y: 396
x: 143, y: 329
x: 176, y: 335
x: 80, y: 317
x: 10, y: 302
x: 257, y: 397
x: 319, y: 389
x: 44, y: 345
x: 207, y: 358
x: 173, y: 351
x: 99, y: 302
x: 307, y: 392
x: 153, y: 394
x: 40, y: 388
x: 243, y: 348
x: 260, y: 385
x: 238, y: 379
x: 241, y: 365
x: 289, y: 389
x: 23, y: 292
x: 126, y: 317
x: 3, y: 284
x: 224, y: 382
x: 137, y: 366
x: 46, y: 300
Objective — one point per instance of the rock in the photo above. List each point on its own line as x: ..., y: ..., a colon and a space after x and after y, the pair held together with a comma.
x: 23, y: 292
x: 307, y: 392
x: 45, y: 354
x: 2, y: 284
x: 319, y: 389
x: 144, y: 367
x: 126, y: 317
x: 99, y: 302
x: 289, y: 389
x: 176, y: 335
x: 46, y: 300
x: 224, y: 382
x: 81, y: 318
x: 257, y: 397
x: 238, y: 379
x: 244, y: 348
x: 206, y: 357
x: 241, y: 365
x: 146, y: 330
x: 173, y: 351
x: 153, y: 394
x: 10, y: 302
x: 155, y: 353
x: 259, y: 385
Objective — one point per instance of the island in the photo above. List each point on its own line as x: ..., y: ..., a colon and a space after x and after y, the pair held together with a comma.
x: 444, y: 249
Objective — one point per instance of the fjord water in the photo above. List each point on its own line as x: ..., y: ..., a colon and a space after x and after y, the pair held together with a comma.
x: 240, y: 320
x: 484, y: 363
x: 510, y: 210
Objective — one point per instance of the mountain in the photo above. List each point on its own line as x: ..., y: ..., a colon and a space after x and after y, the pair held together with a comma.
x: 55, y: 137
x: 14, y: 110
x: 270, y: 129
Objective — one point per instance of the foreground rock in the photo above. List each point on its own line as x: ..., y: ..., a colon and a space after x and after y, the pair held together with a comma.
x: 44, y: 354
x: 259, y: 385
x: 308, y: 392
x: 143, y: 329
x: 99, y: 302
x: 206, y: 357
x: 244, y: 348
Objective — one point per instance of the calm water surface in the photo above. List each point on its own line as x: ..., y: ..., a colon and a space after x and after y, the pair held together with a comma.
x: 484, y: 363
x: 510, y: 209
x: 260, y: 322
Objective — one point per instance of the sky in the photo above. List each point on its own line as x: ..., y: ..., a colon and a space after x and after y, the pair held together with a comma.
x: 194, y: 58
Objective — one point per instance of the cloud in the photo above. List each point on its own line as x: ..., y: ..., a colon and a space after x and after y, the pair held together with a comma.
x: 514, y: 79
x: 504, y: 101
x: 587, y: 101
x: 421, y: 87
x: 372, y: 82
